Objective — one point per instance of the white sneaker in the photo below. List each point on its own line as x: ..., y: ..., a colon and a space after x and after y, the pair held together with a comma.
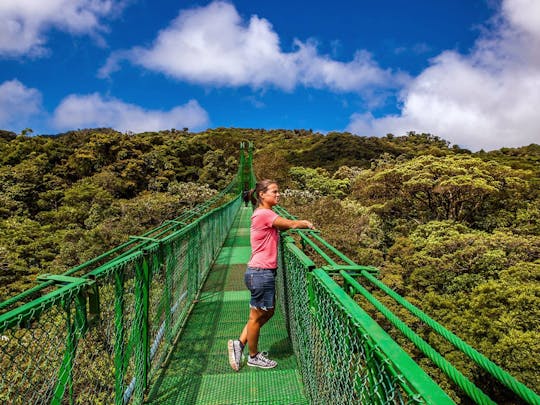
x: 260, y: 360
x: 235, y: 354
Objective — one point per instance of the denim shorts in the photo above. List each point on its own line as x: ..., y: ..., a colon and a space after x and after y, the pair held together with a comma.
x: 262, y: 285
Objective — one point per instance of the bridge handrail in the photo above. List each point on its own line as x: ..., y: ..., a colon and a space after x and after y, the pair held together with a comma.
x: 500, y: 374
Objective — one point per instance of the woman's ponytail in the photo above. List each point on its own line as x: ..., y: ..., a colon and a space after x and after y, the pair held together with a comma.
x: 252, y: 197
x: 247, y: 196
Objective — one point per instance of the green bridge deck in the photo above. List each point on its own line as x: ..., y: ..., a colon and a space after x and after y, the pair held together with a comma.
x: 198, y: 371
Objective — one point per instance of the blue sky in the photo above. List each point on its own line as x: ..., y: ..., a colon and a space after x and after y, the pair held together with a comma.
x: 465, y: 70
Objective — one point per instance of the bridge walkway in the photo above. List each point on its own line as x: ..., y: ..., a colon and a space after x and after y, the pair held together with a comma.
x: 198, y: 370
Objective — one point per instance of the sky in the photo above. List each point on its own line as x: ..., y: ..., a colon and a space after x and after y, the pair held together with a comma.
x: 467, y: 71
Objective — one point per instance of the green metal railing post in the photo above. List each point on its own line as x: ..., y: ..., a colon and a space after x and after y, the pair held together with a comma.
x: 197, y: 260
x: 141, y: 328
x: 250, y: 164
x: 119, y: 341
x: 241, y: 169
x: 65, y: 374
x: 168, y: 267
x: 94, y: 305
x: 74, y: 326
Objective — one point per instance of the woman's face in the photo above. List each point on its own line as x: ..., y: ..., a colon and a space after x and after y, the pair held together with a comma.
x: 270, y: 197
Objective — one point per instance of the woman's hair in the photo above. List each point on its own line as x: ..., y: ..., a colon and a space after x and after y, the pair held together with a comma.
x: 253, y: 194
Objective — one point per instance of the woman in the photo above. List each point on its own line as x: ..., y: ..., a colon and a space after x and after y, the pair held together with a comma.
x: 261, y: 271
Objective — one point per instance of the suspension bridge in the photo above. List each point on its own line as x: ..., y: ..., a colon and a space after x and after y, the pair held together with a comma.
x: 148, y: 322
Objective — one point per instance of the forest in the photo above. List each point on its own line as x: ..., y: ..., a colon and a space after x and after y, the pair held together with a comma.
x: 456, y: 233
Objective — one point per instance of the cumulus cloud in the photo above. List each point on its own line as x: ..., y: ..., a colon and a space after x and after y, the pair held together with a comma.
x: 486, y: 99
x: 93, y: 110
x: 213, y: 45
x: 18, y: 103
x: 25, y: 22
x: 523, y: 14
x: 318, y: 71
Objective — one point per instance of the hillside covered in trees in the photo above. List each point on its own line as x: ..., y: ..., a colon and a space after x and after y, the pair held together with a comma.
x: 454, y: 232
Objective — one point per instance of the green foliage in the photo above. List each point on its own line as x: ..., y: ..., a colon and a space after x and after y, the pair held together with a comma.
x: 217, y: 168
x: 448, y: 257
x: 455, y: 187
x: 190, y: 193
x: 354, y: 229
x: 318, y: 181
x: 65, y: 199
x: 26, y: 248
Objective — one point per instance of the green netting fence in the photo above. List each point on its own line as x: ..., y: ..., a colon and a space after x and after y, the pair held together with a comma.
x: 345, y: 356
x: 101, y: 337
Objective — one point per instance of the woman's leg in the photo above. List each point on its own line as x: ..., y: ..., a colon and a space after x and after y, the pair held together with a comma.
x: 263, y: 289
x: 250, y: 334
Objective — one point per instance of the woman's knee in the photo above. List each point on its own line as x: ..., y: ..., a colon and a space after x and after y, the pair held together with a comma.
x: 269, y: 313
x: 259, y: 317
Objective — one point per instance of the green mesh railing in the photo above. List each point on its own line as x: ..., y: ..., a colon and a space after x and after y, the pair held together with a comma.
x: 344, y: 355
x: 100, y: 332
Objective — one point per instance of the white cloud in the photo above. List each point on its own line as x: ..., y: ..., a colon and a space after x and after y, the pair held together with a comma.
x: 25, y: 22
x: 18, y: 104
x: 523, y: 14
x: 486, y: 99
x: 213, y: 45
x: 322, y: 72
x: 93, y: 110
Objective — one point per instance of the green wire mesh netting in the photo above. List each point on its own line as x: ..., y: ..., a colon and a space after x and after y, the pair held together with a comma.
x: 56, y: 348
x: 339, y: 363
x: 101, y: 337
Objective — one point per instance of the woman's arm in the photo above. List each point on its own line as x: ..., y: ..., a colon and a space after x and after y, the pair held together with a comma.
x: 283, y: 224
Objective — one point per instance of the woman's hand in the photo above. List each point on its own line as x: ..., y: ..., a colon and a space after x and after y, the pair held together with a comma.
x: 306, y: 224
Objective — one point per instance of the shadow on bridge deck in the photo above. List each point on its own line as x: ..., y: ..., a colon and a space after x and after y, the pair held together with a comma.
x: 198, y: 371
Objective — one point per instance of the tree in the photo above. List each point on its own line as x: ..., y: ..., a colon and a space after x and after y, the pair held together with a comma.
x: 217, y: 171
x: 460, y: 188
x: 26, y: 131
x: 318, y: 180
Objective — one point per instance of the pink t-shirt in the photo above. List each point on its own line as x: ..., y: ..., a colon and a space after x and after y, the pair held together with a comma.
x: 264, y: 239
